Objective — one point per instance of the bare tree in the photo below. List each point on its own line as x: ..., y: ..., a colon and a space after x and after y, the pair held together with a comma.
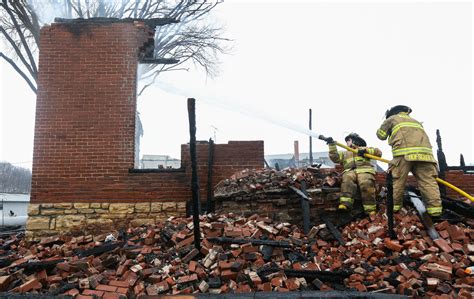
x: 193, y: 39
x: 14, y: 179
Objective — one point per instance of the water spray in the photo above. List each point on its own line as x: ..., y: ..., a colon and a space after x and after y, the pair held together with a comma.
x: 232, y: 106
x: 248, y: 111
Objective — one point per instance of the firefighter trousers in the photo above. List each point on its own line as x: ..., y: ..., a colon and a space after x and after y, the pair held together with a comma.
x: 366, y: 183
x: 425, y: 174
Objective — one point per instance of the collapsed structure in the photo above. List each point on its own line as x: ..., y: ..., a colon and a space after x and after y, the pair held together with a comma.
x: 85, y: 187
x: 245, y: 254
x: 83, y: 174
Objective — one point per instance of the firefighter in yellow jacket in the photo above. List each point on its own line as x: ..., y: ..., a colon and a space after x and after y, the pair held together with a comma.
x: 411, y: 149
x: 358, y: 172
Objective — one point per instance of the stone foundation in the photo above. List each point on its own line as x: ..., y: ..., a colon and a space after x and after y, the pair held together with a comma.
x: 48, y: 219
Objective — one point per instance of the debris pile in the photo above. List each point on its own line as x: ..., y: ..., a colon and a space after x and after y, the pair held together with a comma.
x: 251, y: 181
x: 277, y: 194
x: 244, y: 255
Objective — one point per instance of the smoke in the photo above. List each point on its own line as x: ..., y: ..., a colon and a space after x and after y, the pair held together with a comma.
x: 232, y: 105
x: 48, y: 10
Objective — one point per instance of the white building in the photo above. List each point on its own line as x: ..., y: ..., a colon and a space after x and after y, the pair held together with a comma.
x: 159, y: 162
x: 13, y: 209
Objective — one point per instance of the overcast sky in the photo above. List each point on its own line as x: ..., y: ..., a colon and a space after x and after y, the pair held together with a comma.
x: 349, y: 62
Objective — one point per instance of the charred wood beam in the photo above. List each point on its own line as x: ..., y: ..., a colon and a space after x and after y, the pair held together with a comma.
x: 423, y: 215
x: 466, y: 169
x: 284, y: 244
x: 305, y: 208
x: 266, y: 163
x: 210, y: 164
x: 159, y: 61
x: 334, y: 276
x: 310, y: 137
x: 300, y: 193
x: 38, y: 266
x: 333, y: 230
x: 326, y: 276
x: 64, y: 288
x: 443, y: 166
x: 458, y: 207
x: 98, y: 250
x: 101, y: 20
x: 461, y: 161
x: 194, y: 175
x: 389, y: 183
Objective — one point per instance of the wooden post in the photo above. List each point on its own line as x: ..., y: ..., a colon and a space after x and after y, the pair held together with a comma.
x: 305, y: 208
x: 442, y: 164
x: 389, y: 181
x: 310, y: 137
x: 194, y: 177
x: 210, y: 163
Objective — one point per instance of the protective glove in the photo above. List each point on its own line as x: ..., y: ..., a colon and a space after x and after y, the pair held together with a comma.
x: 330, y: 141
x: 361, y: 152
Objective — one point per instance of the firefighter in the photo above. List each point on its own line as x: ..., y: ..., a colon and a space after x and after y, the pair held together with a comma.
x: 411, y: 149
x: 358, y: 172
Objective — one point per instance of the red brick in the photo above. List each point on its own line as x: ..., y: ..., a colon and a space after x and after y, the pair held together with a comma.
x: 119, y: 283
x: 443, y: 245
x: 393, y: 245
x: 106, y: 288
x: 4, y: 282
x: 72, y: 292
x: 108, y: 295
x: 187, y: 278
x: 228, y: 274
x: 32, y: 284
x: 93, y: 292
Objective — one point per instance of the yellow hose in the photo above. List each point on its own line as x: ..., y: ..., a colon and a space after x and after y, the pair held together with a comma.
x: 443, y: 182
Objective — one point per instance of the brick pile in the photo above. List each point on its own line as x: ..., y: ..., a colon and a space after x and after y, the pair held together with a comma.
x: 270, y: 192
x: 266, y: 180
x: 161, y: 259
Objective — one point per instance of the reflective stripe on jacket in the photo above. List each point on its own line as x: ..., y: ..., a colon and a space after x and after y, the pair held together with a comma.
x: 407, y: 138
x: 351, y: 161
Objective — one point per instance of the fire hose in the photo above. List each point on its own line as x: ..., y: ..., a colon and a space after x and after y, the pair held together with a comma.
x: 440, y: 181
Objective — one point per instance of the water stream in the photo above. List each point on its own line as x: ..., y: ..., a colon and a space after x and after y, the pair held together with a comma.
x: 234, y: 106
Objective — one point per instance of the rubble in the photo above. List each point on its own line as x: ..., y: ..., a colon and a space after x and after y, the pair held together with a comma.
x: 267, y: 180
x: 297, y: 196
x: 244, y: 255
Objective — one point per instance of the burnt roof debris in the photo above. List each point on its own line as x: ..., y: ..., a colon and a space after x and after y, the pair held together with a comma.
x: 81, y: 26
x: 152, y: 23
x: 147, y: 60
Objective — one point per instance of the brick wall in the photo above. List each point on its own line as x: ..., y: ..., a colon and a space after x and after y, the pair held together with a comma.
x: 85, y: 132
x: 228, y: 159
x: 462, y: 180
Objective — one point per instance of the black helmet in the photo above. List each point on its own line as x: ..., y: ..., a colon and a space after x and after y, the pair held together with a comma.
x: 397, y: 109
x: 356, y: 139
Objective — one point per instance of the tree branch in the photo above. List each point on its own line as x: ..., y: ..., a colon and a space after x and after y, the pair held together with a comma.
x: 17, y: 51
x: 22, y: 38
x: 19, y: 71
